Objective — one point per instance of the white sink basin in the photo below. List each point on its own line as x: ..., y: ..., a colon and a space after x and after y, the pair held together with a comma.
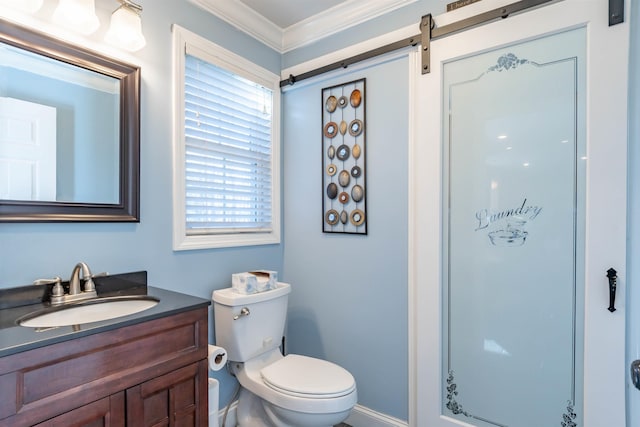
x: 88, y: 311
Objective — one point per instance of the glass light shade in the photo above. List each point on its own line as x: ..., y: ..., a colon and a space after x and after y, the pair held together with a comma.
x: 78, y: 15
x: 29, y: 6
x: 125, y: 30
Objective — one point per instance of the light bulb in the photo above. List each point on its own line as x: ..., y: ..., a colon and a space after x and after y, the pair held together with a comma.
x: 78, y: 15
x: 29, y: 6
x: 125, y: 30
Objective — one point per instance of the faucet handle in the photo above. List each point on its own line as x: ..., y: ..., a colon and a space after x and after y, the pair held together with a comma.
x: 89, y: 286
x: 57, y: 289
x: 47, y: 281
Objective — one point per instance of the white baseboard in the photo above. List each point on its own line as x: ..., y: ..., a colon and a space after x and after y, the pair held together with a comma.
x: 360, y: 417
x: 365, y: 417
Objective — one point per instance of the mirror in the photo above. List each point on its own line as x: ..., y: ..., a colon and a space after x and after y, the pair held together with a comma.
x: 69, y: 132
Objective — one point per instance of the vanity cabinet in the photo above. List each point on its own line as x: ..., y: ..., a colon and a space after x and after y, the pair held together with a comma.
x: 150, y: 373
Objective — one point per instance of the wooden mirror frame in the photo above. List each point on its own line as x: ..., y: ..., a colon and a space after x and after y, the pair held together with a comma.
x: 128, y: 207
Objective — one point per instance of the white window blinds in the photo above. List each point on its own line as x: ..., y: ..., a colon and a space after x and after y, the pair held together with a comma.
x: 228, y: 149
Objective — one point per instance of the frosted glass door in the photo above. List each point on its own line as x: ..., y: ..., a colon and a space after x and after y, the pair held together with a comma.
x: 518, y: 183
x: 513, y: 246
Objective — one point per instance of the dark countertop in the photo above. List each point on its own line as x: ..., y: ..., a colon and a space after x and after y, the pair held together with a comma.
x: 16, y: 302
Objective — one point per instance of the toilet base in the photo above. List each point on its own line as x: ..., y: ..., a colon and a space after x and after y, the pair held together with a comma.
x: 255, y: 412
x: 250, y: 412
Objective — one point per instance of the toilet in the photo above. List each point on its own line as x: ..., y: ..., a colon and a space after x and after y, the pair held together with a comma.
x: 277, y: 390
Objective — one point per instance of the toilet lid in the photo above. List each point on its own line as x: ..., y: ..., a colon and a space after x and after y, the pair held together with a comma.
x: 308, y: 377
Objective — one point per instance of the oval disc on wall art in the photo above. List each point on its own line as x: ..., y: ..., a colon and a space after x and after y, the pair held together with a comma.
x: 343, y: 152
x: 331, y: 104
x: 355, y: 98
x: 344, y: 178
x: 330, y: 130
x: 356, y: 151
x: 332, y: 217
x: 343, y: 102
x: 357, y: 217
x: 357, y: 193
x: 332, y: 191
x: 331, y: 170
x: 355, y: 127
x: 343, y: 127
x: 331, y: 152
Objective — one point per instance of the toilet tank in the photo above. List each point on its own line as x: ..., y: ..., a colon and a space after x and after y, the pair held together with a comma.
x: 246, y: 336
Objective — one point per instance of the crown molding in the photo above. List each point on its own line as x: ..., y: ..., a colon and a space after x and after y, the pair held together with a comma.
x: 245, y: 19
x: 335, y: 20
x: 310, y: 30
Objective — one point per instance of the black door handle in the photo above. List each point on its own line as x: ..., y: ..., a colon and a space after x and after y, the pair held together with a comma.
x: 613, y: 278
x: 635, y: 373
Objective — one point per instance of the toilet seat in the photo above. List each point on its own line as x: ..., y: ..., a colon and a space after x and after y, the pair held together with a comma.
x: 307, y: 377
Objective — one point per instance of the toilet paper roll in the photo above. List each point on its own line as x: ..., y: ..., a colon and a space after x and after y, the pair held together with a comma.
x: 217, y: 357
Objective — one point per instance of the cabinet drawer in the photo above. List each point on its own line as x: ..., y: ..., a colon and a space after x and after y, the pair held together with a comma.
x: 107, y: 412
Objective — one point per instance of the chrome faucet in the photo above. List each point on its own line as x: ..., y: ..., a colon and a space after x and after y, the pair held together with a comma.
x: 76, y: 293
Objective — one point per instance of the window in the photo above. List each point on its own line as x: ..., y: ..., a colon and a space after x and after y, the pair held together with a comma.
x: 226, y: 148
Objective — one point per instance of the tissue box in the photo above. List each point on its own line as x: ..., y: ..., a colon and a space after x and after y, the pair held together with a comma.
x: 251, y: 282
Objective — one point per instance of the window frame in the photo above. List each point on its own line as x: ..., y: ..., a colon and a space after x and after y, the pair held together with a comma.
x: 183, y: 41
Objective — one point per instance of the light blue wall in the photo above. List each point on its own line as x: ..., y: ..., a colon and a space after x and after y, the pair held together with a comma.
x: 349, y: 302
x: 349, y: 292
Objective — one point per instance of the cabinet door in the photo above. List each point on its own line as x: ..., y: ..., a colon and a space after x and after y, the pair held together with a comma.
x: 107, y: 412
x: 176, y: 399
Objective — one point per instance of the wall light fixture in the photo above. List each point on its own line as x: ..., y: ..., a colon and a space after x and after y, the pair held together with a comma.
x: 125, y: 30
x: 77, y: 15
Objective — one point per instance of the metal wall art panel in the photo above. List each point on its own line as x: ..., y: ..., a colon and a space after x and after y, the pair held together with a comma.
x: 343, y: 158
x: 513, y: 272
